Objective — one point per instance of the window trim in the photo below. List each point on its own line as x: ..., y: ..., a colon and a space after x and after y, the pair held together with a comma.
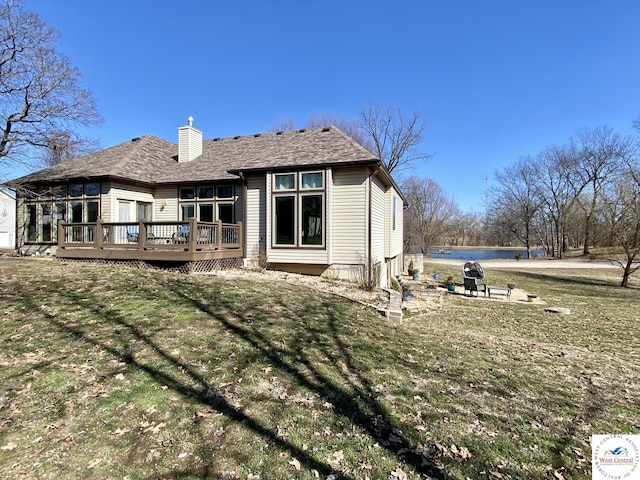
x: 214, y: 200
x: 54, y: 197
x: 298, y: 192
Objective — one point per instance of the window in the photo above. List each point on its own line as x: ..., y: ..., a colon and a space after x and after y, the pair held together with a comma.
x: 311, y: 180
x: 225, y: 192
x: 225, y: 212
x: 285, y: 224
x: 298, y: 209
x: 76, y: 212
x: 31, y: 223
x: 393, y: 213
x: 92, y: 189
x: 75, y: 190
x: 211, y: 204
x: 46, y: 232
x: 206, y: 212
x: 187, y: 193
x: 205, y: 192
x: 187, y: 211
x: 311, y: 219
x: 285, y: 182
x: 144, y: 211
x: 75, y: 203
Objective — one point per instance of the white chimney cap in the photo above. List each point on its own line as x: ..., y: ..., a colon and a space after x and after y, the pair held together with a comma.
x: 190, y: 121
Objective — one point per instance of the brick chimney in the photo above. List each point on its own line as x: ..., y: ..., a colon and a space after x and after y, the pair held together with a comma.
x: 189, y: 142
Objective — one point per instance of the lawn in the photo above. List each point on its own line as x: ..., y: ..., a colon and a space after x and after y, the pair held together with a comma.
x: 117, y: 373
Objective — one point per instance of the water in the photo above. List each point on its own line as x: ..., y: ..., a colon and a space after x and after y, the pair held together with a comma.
x: 482, y: 253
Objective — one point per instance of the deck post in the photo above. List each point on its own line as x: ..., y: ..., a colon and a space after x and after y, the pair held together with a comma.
x: 218, y: 235
x: 240, y: 238
x: 193, y: 233
x: 99, y: 234
x: 61, y: 236
x: 142, y: 235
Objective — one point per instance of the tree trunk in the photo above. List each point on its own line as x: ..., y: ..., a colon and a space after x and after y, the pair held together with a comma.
x: 626, y: 274
x: 587, y: 236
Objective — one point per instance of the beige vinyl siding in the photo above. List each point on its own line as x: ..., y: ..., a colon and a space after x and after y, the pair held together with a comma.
x: 397, y: 237
x: 378, y: 231
x: 298, y: 255
x: 165, y: 206
x: 394, y: 239
x: 349, y: 215
x: 122, y: 192
x: 105, y: 203
x: 256, y: 215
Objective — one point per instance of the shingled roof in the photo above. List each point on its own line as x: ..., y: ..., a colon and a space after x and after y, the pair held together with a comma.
x: 152, y: 160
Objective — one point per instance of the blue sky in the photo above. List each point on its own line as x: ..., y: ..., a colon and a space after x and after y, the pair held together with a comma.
x: 492, y: 80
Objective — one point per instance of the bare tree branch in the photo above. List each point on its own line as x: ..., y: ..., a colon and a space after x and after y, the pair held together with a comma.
x: 40, y: 91
x: 395, y: 136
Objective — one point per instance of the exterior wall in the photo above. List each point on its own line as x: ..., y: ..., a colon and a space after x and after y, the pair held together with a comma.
x: 7, y: 220
x: 348, y: 228
x: 165, y: 206
x: 378, y: 231
x: 256, y: 215
x: 394, y: 232
x: 349, y: 208
x: 396, y: 238
x: 105, y: 204
x: 239, y: 207
x: 121, y: 192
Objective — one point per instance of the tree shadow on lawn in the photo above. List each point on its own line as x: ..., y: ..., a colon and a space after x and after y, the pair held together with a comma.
x: 562, y: 281
x: 357, y: 401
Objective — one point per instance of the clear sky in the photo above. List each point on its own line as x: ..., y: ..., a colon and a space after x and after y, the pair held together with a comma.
x: 493, y: 80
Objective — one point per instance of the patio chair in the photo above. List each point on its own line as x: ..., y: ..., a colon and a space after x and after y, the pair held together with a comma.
x: 472, y: 285
x: 132, y: 237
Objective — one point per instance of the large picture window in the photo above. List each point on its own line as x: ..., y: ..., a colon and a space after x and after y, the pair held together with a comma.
x: 208, y: 203
x: 74, y: 203
x: 298, y: 209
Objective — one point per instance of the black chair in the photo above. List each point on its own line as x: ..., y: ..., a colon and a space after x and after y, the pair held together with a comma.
x: 472, y: 285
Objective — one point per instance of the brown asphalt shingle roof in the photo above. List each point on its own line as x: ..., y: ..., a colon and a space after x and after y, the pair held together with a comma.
x: 152, y: 160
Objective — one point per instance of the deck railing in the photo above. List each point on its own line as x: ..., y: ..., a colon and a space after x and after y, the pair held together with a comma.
x: 191, y: 236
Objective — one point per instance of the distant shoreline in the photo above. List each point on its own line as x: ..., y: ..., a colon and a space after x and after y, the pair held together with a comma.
x: 540, y: 262
x: 481, y: 247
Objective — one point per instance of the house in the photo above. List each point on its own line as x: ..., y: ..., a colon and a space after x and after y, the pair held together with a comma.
x: 310, y: 201
x: 7, y: 220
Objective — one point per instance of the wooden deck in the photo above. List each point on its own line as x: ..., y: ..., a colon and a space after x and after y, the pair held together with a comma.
x: 150, y: 241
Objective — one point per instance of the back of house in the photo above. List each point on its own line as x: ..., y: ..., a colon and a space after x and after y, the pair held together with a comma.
x: 311, y: 201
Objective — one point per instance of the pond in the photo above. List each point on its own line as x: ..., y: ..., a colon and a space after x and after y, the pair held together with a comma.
x: 482, y: 253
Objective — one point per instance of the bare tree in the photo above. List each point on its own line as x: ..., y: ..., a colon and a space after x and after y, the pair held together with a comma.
x: 623, y: 215
x: 284, y: 124
x: 64, y: 146
x: 394, y: 135
x: 40, y: 91
x: 553, y: 165
x: 515, y: 201
x: 425, y: 221
x: 349, y: 126
x: 599, y: 161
